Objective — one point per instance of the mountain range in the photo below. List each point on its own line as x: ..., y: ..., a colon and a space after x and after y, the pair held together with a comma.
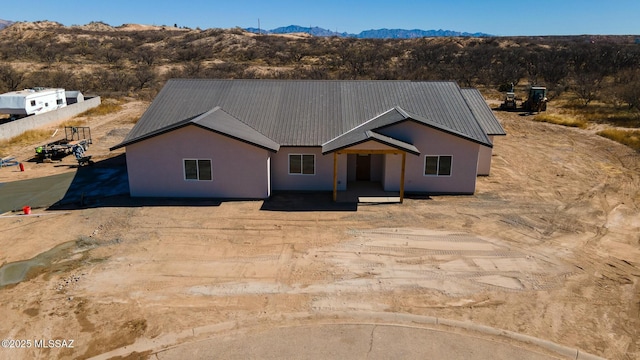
x: 367, y: 34
x: 5, y: 23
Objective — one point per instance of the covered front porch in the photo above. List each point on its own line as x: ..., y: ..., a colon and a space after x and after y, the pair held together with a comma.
x: 358, y: 148
x: 370, y: 173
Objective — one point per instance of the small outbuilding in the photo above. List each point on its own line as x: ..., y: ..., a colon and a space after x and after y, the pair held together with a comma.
x: 73, y: 97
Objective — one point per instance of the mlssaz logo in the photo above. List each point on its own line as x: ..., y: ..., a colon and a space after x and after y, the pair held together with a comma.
x: 53, y: 344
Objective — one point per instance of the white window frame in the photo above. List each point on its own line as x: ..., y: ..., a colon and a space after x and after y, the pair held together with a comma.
x: 437, y: 174
x: 184, y: 169
x: 301, y: 164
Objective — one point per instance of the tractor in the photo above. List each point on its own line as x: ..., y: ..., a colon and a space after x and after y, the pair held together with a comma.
x: 537, y: 100
x: 509, y: 101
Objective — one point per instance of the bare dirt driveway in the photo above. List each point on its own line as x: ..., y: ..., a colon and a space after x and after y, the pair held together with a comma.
x: 549, y: 247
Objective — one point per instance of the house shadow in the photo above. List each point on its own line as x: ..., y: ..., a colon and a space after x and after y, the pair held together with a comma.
x: 105, y: 184
x: 306, y: 201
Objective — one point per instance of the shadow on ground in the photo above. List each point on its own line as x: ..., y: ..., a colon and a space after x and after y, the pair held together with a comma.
x: 311, y: 201
x: 105, y: 184
x: 103, y: 179
x: 86, y: 185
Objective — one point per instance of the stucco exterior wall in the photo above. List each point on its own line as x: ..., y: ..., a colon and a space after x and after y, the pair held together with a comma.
x: 430, y: 141
x: 484, y: 159
x: 156, y: 166
x: 392, y: 165
x: 322, y: 180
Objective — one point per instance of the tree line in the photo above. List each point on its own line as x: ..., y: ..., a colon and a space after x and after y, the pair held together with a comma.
x: 138, y: 62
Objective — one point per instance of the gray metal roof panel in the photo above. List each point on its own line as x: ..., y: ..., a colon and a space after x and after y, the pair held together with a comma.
x: 387, y: 140
x: 482, y: 112
x: 308, y: 112
x: 219, y: 121
x: 360, y: 133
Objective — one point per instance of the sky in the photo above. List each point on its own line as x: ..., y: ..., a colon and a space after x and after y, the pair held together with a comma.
x: 502, y: 18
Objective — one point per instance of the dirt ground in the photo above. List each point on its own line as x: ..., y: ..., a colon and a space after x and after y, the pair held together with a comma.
x: 549, y: 246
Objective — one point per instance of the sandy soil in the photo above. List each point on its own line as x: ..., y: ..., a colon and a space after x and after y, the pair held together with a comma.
x: 549, y: 246
x: 106, y: 131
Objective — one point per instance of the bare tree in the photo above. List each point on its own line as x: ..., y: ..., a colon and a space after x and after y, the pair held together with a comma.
x: 144, y: 75
x: 147, y: 55
x: 587, y: 85
x: 628, y: 86
x: 10, y: 77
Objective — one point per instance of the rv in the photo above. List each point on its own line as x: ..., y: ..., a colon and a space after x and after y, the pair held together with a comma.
x: 32, y: 101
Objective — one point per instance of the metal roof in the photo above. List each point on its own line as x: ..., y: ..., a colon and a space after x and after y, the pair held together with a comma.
x: 308, y: 112
x: 358, y: 137
x: 366, y: 131
x: 482, y: 112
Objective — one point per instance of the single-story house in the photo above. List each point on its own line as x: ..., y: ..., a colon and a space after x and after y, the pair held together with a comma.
x: 247, y: 138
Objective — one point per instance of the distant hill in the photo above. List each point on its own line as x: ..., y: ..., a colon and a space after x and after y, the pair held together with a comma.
x: 318, y: 31
x: 368, y: 34
x: 5, y: 23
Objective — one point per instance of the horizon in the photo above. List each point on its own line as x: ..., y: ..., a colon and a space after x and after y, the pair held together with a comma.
x: 549, y: 18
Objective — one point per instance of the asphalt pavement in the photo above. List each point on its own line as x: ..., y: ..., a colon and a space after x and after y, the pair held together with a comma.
x: 67, y: 190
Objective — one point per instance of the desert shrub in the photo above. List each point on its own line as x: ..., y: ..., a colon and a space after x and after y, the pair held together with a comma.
x: 74, y: 122
x: 627, y: 119
x: 27, y: 138
x: 603, y: 113
x: 52, y: 78
x: 227, y: 70
x: 630, y: 138
x: 115, y: 80
x: 106, y: 107
x: 561, y: 120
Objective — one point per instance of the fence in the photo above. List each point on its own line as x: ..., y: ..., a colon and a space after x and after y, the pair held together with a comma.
x: 17, y: 127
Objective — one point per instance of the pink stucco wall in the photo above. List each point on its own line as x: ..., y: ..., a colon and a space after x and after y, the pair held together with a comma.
x: 323, y: 178
x: 484, y: 159
x: 156, y: 167
x: 430, y: 141
x: 241, y: 170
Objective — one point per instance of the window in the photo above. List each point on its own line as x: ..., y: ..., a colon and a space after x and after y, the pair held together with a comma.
x: 33, y: 103
x: 196, y: 169
x: 59, y: 102
x: 437, y: 165
x: 302, y: 164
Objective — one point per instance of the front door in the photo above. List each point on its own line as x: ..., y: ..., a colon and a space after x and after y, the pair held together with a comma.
x: 363, y: 167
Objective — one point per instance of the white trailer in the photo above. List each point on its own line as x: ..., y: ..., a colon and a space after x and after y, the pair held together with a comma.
x: 32, y: 101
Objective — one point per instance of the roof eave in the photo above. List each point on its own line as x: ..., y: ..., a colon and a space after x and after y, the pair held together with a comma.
x: 151, y: 135
x: 275, y: 148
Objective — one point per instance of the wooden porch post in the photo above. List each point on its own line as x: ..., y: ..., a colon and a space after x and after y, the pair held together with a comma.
x: 404, y: 155
x: 335, y: 176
